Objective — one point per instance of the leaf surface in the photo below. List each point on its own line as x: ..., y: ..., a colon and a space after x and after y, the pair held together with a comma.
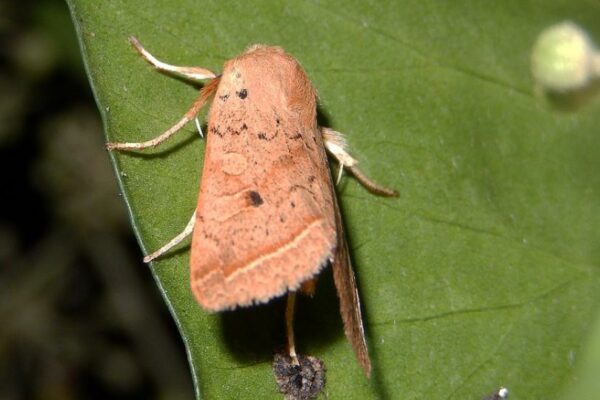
x: 485, y: 272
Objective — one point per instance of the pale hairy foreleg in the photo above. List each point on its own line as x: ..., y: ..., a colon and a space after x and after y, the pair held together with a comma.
x: 336, y: 145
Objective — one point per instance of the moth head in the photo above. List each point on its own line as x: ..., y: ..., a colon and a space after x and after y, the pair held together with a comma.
x: 271, y: 77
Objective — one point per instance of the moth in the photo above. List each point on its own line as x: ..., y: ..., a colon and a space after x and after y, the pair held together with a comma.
x: 267, y: 219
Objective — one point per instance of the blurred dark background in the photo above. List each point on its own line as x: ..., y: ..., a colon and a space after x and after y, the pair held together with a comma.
x: 80, y: 316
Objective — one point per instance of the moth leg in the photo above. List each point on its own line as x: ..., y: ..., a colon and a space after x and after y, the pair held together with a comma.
x: 199, y: 127
x: 192, y: 73
x: 205, y: 93
x: 336, y: 145
x: 340, y: 173
x: 290, y: 308
x: 175, y: 241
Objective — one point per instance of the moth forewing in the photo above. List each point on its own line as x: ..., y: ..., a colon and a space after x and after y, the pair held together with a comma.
x: 265, y: 214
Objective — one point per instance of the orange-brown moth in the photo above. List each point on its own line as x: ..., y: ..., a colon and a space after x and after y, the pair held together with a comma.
x: 267, y: 219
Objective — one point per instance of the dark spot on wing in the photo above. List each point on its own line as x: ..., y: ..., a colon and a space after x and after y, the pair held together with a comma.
x: 265, y: 136
x: 255, y: 198
x: 216, y: 131
x: 242, y: 94
x: 232, y: 131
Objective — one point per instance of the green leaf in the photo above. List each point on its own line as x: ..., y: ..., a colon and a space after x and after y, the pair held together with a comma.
x: 485, y: 272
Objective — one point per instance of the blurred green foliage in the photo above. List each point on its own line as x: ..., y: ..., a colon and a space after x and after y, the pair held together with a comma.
x: 80, y: 316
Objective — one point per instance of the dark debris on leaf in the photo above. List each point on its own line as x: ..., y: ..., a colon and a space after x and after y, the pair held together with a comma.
x: 299, y: 382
